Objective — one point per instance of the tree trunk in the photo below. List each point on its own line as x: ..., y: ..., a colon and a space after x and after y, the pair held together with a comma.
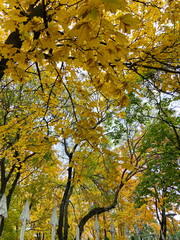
x: 2, y: 190
x: 98, y: 210
x: 1, y: 225
x: 163, y: 226
x: 39, y: 236
x: 62, y: 230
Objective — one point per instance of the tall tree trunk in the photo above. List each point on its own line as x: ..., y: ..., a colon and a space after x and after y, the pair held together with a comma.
x: 163, y: 226
x: 2, y: 190
x: 62, y: 230
x: 66, y: 224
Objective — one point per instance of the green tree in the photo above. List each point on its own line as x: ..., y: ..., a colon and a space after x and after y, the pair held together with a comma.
x: 160, y: 183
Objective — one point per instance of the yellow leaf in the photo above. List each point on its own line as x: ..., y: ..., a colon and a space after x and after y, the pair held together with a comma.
x: 128, y: 166
x: 113, y: 5
x: 82, y: 31
x: 128, y: 22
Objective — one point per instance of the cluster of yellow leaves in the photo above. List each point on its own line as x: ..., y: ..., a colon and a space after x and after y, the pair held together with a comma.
x: 80, y: 33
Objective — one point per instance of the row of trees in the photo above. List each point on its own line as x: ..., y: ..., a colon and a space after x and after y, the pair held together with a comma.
x: 86, y: 119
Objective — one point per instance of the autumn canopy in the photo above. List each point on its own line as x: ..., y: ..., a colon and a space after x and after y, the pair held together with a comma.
x: 88, y: 112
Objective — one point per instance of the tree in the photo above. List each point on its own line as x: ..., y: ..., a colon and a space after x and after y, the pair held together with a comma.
x: 76, y: 51
x: 160, y: 180
x: 22, y: 138
x: 37, y: 184
x: 158, y: 147
x: 84, y: 35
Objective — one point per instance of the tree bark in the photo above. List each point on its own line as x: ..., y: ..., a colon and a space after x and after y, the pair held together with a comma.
x: 62, y: 230
x: 2, y: 190
x: 163, y: 226
x: 64, y: 207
